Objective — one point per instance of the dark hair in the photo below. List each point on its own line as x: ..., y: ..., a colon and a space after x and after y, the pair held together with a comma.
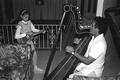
x: 23, y: 12
x: 101, y: 23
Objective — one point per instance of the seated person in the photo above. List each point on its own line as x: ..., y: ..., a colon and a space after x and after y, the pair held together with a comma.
x: 92, y: 63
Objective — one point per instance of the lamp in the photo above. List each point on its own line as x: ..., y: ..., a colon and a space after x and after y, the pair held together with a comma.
x: 39, y: 2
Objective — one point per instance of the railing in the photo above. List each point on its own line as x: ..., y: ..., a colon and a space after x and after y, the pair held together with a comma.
x: 43, y: 41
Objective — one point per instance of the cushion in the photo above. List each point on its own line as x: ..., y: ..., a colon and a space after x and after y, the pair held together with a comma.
x: 76, y: 77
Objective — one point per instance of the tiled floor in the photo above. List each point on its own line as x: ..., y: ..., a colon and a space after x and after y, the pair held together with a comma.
x: 112, y: 65
x: 42, y: 63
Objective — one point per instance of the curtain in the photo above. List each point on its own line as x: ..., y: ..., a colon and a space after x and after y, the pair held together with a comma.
x: 51, y: 10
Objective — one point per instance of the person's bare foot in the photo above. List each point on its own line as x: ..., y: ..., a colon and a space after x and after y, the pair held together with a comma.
x: 69, y: 78
x: 37, y: 70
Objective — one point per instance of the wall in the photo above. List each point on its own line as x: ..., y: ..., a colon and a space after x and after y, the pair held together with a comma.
x: 51, y: 10
x: 112, y: 60
x: 107, y: 4
x: 1, y: 18
x: 88, y: 10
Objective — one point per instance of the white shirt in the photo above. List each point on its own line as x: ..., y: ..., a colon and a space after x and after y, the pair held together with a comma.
x: 96, y: 49
x: 21, y: 35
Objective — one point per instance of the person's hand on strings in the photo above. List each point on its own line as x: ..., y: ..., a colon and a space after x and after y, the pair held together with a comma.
x: 76, y: 40
x: 69, y: 49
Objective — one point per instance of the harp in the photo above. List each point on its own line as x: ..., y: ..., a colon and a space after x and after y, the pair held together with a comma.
x: 69, y: 30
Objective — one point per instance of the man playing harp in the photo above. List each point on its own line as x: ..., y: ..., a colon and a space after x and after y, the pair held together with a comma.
x: 92, y: 63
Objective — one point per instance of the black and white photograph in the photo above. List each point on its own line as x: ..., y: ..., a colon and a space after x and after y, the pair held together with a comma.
x: 59, y: 39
